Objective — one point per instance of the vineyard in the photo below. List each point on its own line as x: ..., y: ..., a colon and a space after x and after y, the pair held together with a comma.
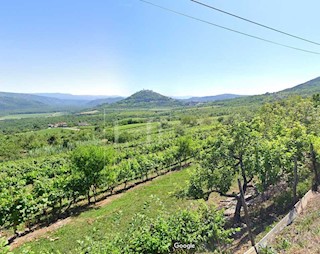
x: 50, y: 174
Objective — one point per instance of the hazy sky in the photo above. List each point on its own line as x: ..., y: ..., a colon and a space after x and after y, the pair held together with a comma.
x: 121, y: 46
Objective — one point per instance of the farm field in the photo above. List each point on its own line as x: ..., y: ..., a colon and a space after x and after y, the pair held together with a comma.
x: 159, y: 127
x: 82, y: 175
x: 36, y: 115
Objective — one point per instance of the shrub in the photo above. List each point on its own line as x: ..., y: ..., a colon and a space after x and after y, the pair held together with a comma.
x: 283, y: 201
x: 161, y: 234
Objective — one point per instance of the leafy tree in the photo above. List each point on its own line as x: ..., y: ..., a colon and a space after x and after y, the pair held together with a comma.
x: 89, y: 162
x: 297, y: 146
x: 314, y: 156
x: 189, y: 120
x: 125, y: 173
x: 184, y: 149
x: 234, y: 152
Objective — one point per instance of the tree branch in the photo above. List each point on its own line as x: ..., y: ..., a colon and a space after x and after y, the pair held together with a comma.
x: 225, y: 194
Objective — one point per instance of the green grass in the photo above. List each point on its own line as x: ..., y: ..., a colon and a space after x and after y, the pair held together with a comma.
x: 96, y: 223
x: 21, y: 116
x: 303, y: 234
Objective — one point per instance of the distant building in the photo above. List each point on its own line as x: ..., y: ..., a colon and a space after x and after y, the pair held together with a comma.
x: 83, y: 124
x: 62, y: 124
x: 58, y: 125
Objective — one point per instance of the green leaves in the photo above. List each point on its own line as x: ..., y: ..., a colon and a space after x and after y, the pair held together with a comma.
x: 4, y: 248
x: 163, y: 233
x: 88, y: 163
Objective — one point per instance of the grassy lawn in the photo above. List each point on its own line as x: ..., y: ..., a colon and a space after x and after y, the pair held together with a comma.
x: 99, y: 222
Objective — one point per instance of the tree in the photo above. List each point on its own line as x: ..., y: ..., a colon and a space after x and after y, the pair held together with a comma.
x: 297, y: 147
x: 233, y: 152
x: 109, y: 177
x: 242, y: 156
x: 88, y: 162
x: 189, y: 120
x: 125, y: 172
x: 314, y: 166
x: 270, y: 159
x: 215, y: 174
x: 314, y: 156
x: 184, y: 149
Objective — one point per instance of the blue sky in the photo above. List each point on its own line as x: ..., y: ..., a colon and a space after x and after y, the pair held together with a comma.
x: 117, y: 47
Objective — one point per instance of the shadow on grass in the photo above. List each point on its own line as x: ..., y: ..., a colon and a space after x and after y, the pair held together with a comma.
x: 81, y: 207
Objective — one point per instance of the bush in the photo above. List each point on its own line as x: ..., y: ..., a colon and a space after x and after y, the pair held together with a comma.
x: 4, y: 248
x: 163, y: 234
x: 283, y: 201
x: 267, y: 250
x: 303, y: 188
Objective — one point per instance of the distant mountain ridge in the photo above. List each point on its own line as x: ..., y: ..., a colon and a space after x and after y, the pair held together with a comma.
x: 305, y: 89
x: 36, y: 103
x: 218, y: 97
x: 46, y: 102
x: 66, y: 96
x: 108, y: 100
x: 308, y: 88
x: 84, y: 100
x: 25, y: 102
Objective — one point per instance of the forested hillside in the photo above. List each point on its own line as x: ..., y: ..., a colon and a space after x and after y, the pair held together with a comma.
x: 306, y: 89
x: 11, y: 103
x: 147, y: 99
x: 213, y: 98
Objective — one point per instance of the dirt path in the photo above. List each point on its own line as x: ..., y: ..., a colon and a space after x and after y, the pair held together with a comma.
x: 38, y: 233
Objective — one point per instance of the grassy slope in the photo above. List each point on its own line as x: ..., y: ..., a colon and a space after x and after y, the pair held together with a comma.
x: 303, y: 235
x: 98, y: 222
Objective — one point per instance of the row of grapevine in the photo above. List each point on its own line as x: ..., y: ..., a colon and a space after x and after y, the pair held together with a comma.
x: 35, y: 190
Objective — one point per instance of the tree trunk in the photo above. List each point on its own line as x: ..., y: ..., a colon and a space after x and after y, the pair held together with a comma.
x: 237, y: 213
x: 60, y: 205
x: 15, y: 229
x: 295, y: 179
x: 94, y: 189
x: 314, y: 168
x: 88, y: 196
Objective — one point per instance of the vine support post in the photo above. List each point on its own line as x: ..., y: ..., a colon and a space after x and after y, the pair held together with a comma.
x: 246, y: 214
